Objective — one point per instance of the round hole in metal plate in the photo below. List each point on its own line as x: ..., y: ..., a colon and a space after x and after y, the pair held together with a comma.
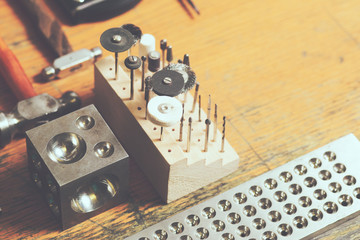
x: 103, y: 149
x: 85, y: 122
x: 94, y: 195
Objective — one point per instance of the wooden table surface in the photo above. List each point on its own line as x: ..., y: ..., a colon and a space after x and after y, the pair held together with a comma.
x: 285, y: 73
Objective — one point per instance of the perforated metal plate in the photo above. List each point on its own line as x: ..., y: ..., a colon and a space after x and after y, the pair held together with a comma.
x: 297, y: 200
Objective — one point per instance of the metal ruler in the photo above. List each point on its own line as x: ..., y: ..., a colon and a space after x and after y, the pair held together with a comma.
x: 297, y: 200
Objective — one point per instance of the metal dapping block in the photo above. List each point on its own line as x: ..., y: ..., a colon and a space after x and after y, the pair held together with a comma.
x: 78, y: 164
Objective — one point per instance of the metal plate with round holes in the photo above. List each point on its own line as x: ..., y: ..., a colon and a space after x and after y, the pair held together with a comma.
x: 298, y: 200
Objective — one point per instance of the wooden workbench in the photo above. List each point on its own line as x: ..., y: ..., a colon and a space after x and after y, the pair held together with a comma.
x: 285, y: 73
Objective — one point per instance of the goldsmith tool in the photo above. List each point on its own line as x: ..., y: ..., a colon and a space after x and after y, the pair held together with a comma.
x: 167, y: 83
x: 163, y: 46
x: 195, y: 96
x: 181, y: 123
x: 223, y: 135
x: 298, y: 200
x: 71, y: 62
x: 14, y: 74
x: 143, y: 61
x: 154, y: 61
x: 199, y: 108
x: 207, y: 123
x: 187, y: 73
x: 132, y: 63
x: 189, y: 135
x: 117, y: 40
x: 215, y: 123
x: 186, y: 60
x: 169, y: 54
x: 34, y: 111
x: 147, y: 94
x: 78, y: 165
x: 209, y: 107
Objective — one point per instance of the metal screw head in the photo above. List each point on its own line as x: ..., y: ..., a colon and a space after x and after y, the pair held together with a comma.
x: 335, y: 187
x: 315, y: 162
x: 209, y: 212
x: 310, y: 182
x: 315, y: 214
x: 270, y: 183
x: 160, y: 235
x: 233, y: 218
x: 177, y: 228
x: 167, y: 81
x: 285, y: 230
x: 268, y: 235
x: 255, y: 191
x: 218, y: 225
x: 202, y: 233
x: 330, y: 207
x: 280, y: 196
x: 193, y: 220
x: 259, y: 223
x: 345, y: 200
x: 274, y: 216
x: 300, y: 169
x: 290, y: 209
x: 285, y: 177
x: 249, y: 211
x: 224, y: 205
x: 240, y: 198
x: 116, y: 39
x: 300, y: 222
x: 243, y: 231
x: 305, y: 201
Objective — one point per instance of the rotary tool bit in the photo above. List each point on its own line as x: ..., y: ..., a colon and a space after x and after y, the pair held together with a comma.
x: 223, y: 135
x: 169, y: 54
x: 215, y: 123
x: 132, y: 63
x: 163, y: 46
x: 186, y: 60
x: 189, y: 135
x: 34, y: 111
x: 195, y: 96
x: 143, y: 61
x: 207, y: 122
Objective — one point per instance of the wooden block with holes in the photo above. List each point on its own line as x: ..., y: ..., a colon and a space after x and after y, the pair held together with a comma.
x: 172, y: 170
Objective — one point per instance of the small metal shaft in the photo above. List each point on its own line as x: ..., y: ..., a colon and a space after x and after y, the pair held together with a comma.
x: 215, y: 124
x: 186, y: 60
x: 189, y: 135
x: 143, y: 59
x: 195, y: 96
x: 147, y: 93
x: 207, y: 122
x: 209, y: 107
x: 163, y: 46
x: 199, y: 108
x: 194, y: 6
x: 169, y: 54
x: 132, y: 84
x: 161, y: 133
x: 181, y: 124
x: 116, y: 65
x: 223, y: 135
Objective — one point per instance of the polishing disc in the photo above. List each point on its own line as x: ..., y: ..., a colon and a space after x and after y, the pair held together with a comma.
x: 167, y: 83
x: 164, y: 111
x: 187, y: 73
x: 117, y: 40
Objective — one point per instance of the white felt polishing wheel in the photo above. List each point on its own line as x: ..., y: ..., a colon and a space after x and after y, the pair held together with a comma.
x: 164, y: 111
x: 147, y: 44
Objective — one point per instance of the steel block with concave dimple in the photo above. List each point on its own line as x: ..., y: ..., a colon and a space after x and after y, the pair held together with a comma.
x: 78, y: 165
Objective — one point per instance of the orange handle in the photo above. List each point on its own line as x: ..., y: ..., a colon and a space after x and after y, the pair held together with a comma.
x: 14, y: 74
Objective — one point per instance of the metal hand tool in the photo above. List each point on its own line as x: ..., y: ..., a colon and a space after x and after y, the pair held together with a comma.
x: 34, y: 111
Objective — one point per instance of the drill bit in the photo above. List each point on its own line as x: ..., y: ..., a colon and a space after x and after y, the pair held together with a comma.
x: 199, y: 108
x: 163, y: 46
x: 223, y: 135
x: 169, y: 54
x: 147, y: 93
x: 181, y: 124
x: 143, y: 59
x: 195, y: 96
x: 209, y: 107
x: 189, y: 135
x: 207, y: 122
x: 215, y: 123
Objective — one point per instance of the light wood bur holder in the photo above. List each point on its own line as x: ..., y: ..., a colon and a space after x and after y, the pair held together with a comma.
x: 172, y: 170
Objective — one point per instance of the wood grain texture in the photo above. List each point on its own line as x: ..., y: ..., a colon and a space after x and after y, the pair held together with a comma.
x: 285, y: 73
